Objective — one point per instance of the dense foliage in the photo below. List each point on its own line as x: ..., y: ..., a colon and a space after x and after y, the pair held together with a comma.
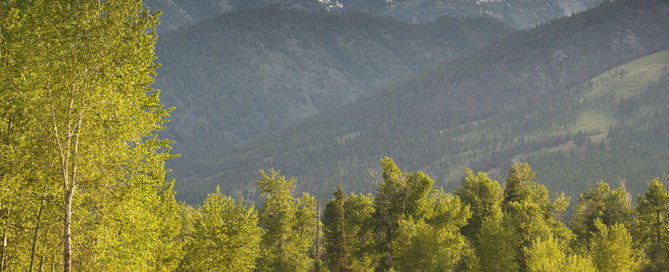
x: 82, y: 172
x: 410, y: 225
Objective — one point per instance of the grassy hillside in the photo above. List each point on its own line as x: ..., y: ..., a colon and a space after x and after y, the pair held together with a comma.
x: 250, y: 72
x: 536, y: 94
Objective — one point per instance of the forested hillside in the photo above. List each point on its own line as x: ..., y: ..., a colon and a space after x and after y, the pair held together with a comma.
x: 520, y: 14
x: 529, y: 96
x: 242, y: 74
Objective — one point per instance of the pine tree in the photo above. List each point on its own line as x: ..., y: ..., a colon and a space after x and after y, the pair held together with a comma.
x: 517, y: 184
x: 335, y: 232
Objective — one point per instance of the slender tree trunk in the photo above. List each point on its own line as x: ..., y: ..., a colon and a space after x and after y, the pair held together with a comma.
x: 4, y: 244
x: 343, y: 237
x: 41, y: 264
x: 67, y: 248
x: 318, y: 238
x: 659, y: 245
x: 37, y: 228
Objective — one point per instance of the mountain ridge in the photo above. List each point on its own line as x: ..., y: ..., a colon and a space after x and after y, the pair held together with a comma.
x: 436, y: 122
x: 520, y: 14
x: 249, y: 72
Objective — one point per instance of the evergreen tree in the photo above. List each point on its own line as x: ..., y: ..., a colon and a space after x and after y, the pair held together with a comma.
x: 518, y: 183
x: 334, y: 230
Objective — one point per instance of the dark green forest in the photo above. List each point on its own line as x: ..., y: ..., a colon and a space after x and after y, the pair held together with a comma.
x: 247, y: 73
x: 519, y: 14
x: 537, y: 95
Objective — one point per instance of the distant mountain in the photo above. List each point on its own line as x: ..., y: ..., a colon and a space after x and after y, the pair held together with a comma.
x: 246, y: 73
x: 519, y: 14
x: 575, y: 97
x: 178, y: 13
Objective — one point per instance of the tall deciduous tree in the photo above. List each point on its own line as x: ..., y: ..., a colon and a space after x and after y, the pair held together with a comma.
x: 529, y: 214
x: 289, y: 222
x: 226, y: 236
x: 612, y: 248
x: 399, y: 196
x: 358, y: 222
x: 610, y: 206
x: 496, y: 247
x: 79, y: 72
x: 483, y: 196
x: 433, y: 243
x: 551, y: 255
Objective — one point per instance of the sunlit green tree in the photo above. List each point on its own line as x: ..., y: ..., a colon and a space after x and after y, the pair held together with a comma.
x: 79, y: 73
x: 334, y: 231
x: 226, y: 236
x: 652, y: 208
x: 289, y: 223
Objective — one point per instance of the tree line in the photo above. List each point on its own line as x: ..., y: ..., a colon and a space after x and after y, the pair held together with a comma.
x: 409, y: 225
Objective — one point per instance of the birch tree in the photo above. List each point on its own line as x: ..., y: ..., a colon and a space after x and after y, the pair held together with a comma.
x: 82, y: 120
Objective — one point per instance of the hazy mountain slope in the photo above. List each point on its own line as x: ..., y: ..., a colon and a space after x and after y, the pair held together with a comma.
x: 514, y: 97
x: 517, y: 13
x: 249, y: 72
x: 623, y: 116
x: 178, y: 13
